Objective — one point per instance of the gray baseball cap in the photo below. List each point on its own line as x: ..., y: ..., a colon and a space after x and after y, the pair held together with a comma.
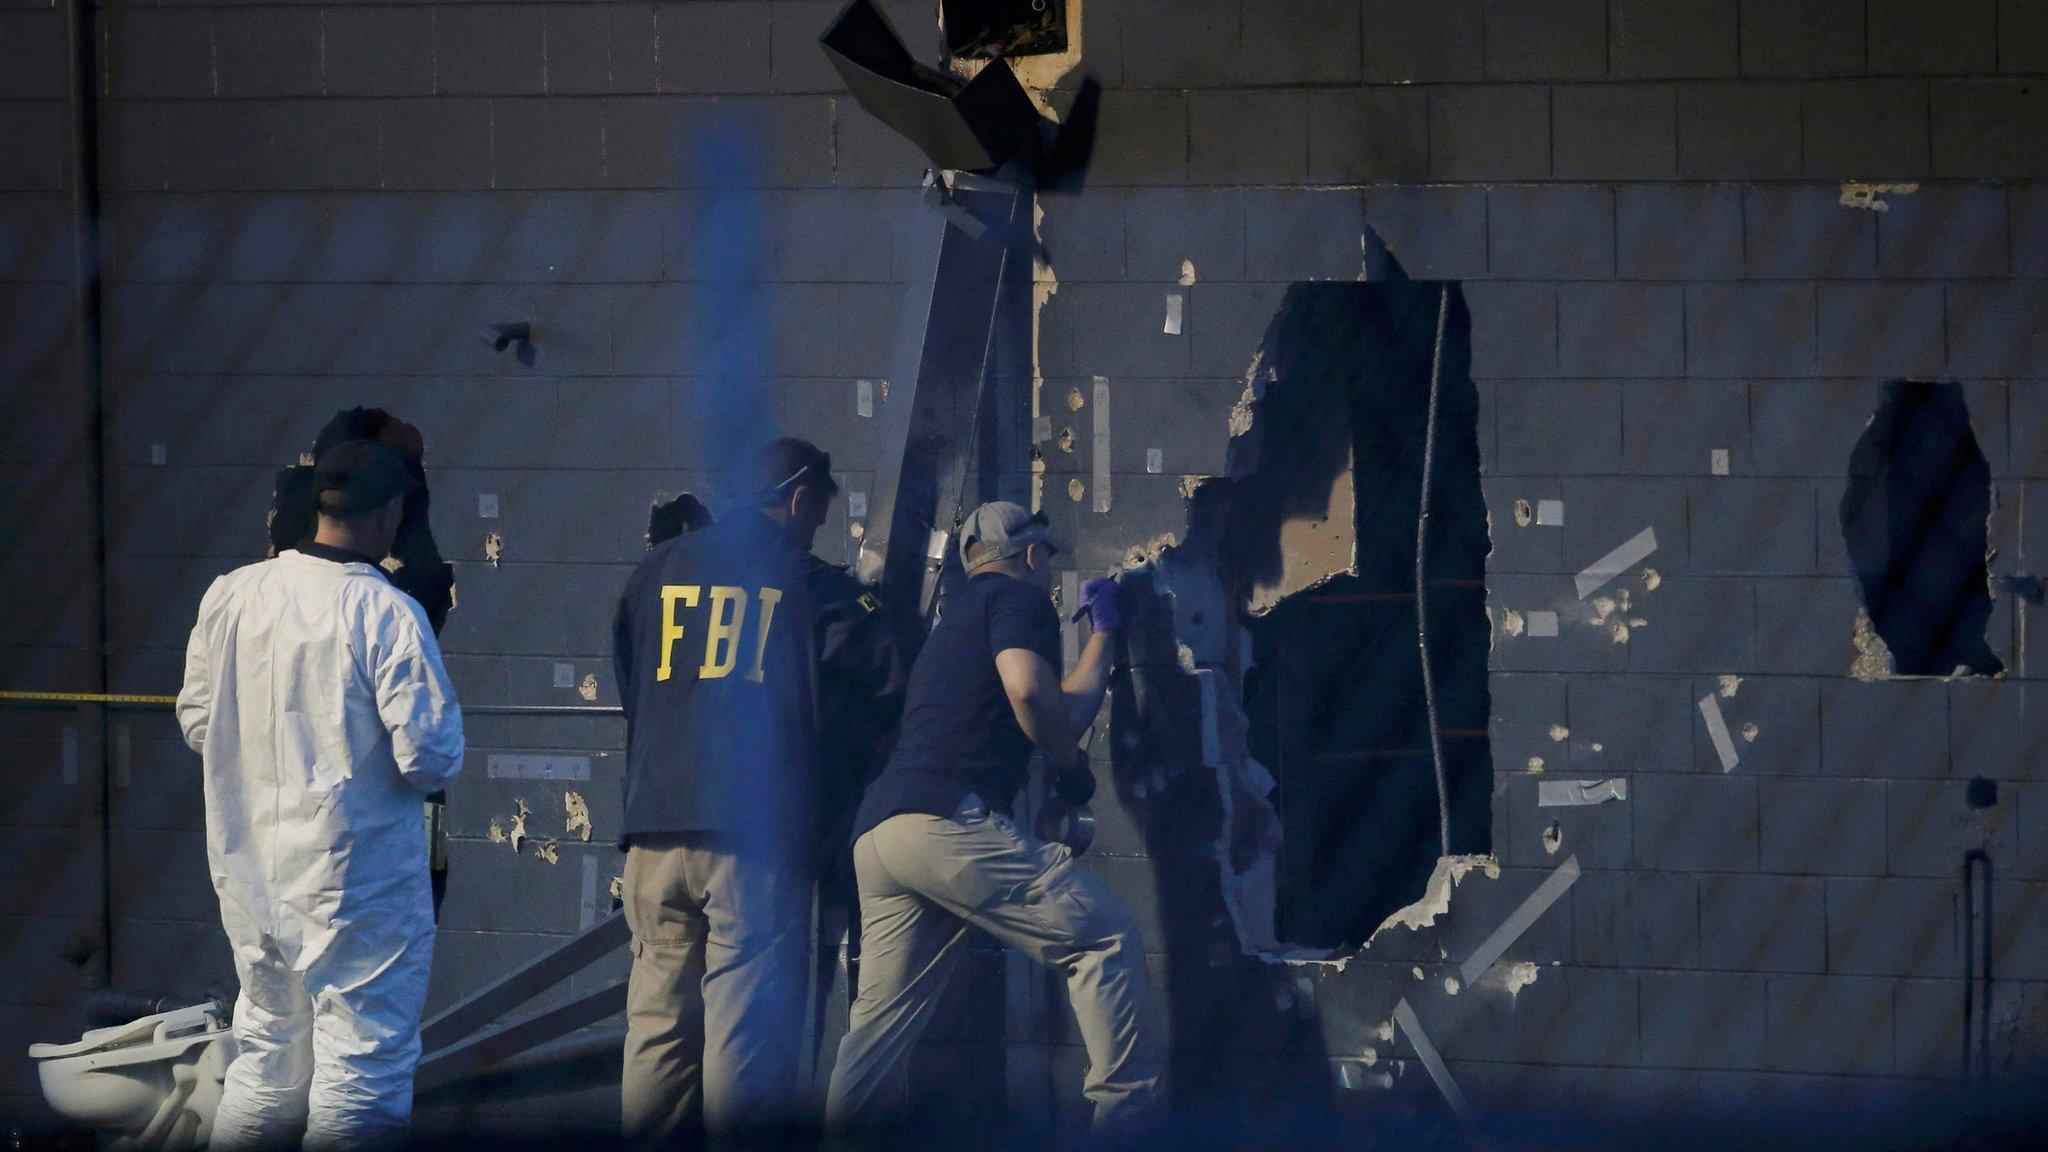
x: 1000, y: 529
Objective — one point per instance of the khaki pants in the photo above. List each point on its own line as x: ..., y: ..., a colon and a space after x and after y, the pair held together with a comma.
x: 920, y: 878
x: 715, y: 1001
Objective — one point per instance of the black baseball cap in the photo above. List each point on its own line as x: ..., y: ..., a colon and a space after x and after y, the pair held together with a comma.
x: 357, y: 476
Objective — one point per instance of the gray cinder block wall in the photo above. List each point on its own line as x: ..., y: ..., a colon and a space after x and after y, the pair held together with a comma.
x: 52, y: 896
x: 1666, y: 218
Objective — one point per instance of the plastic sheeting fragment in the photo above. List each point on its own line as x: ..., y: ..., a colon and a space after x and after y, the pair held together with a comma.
x: 1630, y: 553
x: 1547, y: 893
x: 1101, y: 444
x: 523, y: 766
x: 1717, y: 731
x: 1432, y: 1061
x: 1579, y: 793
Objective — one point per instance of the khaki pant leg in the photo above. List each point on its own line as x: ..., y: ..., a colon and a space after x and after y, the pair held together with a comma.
x: 909, y: 947
x: 757, y: 927
x: 661, y: 1093
x: 1029, y: 895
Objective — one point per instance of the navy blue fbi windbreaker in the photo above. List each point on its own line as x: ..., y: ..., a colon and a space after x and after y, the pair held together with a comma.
x: 754, y: 677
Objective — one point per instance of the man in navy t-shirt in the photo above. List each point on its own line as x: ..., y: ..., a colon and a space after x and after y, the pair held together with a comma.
x: 935, y: 849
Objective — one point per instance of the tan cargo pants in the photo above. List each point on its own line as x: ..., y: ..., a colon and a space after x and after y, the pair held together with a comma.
x: 715, y: 1000
x: 920, y: 878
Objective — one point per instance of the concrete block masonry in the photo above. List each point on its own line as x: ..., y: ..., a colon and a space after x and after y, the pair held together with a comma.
x: 1695, y: 240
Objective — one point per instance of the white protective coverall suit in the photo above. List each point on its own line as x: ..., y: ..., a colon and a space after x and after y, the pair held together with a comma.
x: 315, y: 695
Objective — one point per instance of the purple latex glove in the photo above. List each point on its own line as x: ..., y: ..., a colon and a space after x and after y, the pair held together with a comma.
x: 1099, y: 600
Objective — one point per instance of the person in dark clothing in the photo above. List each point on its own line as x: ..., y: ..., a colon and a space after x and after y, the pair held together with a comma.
x: 751, y: 673
x: 936, y: 852
x: 421, y: 573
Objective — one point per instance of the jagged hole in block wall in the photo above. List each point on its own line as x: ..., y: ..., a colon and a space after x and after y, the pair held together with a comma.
x: 1335, y: 692
x: 1914, y: 519
x: 1278, y: 646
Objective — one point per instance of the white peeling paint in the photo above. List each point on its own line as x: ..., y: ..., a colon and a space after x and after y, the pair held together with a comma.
x: 1871, y: 196
x: 1873, y: 656
x: 1436, y: 895
x: 577, y: 816
x: 1510, y: 978
x: 517, y: 836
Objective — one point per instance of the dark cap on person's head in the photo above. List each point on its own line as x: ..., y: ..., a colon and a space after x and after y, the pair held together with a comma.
x: 358, y: 476
x: 786, y: 464
x: 998, y: 530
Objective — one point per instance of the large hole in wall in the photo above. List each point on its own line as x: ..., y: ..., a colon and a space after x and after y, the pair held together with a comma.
x: 1335, y: 695
x: 1296, y: 596
x: 1914, y: 519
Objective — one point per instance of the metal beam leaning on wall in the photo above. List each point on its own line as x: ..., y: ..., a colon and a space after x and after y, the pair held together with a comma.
x: 493, y: 1048
x: 479, y: 1008
x: 931, y: 404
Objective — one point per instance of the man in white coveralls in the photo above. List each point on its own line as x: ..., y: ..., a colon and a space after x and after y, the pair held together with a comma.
x: 315, y: 695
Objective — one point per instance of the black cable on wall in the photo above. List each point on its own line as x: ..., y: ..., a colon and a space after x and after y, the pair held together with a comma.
x: 89, y: 334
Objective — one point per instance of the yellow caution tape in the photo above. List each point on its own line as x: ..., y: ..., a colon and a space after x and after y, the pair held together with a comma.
x: 88, y: 698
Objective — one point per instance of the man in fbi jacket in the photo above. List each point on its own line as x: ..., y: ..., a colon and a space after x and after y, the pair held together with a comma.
x: 752, y: 674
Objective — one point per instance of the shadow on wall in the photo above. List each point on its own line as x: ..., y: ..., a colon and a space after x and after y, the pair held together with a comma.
x: 1914, y: 519
x: 1275, y: 736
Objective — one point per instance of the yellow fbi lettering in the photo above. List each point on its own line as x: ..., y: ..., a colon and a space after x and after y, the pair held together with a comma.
x: 726, y: 618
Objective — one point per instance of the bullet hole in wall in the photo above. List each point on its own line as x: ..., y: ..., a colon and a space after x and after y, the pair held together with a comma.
x: 1914, y: 519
